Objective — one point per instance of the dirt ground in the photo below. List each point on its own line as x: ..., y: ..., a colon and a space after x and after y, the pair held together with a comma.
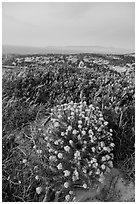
x: 114, y: 189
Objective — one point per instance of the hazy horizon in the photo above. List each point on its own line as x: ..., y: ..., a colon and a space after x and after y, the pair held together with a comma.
x: 44, y: 24
x: 65, y: 46
x: 63, y: 50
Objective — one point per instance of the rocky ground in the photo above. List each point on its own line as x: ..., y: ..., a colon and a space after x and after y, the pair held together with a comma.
x: 114, y: 189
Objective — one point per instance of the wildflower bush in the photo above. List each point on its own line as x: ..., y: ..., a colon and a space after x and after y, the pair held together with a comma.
x: 71, y: 150
x: 80, y: 148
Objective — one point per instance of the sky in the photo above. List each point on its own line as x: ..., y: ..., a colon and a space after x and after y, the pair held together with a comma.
x: 69, y: 24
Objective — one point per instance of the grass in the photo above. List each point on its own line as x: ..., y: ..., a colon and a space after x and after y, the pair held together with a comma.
x: 28, y: 96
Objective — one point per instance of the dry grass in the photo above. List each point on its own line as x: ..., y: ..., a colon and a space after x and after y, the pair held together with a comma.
x: 29, y: 96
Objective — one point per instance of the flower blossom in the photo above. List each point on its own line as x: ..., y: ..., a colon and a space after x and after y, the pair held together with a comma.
x: 60, y: 155
x: 110, y: 164
x: 90, y: 132
x: 66, y: 184
x: 62, y: 133
x: 72, y: 113
x: 101, y: 179
x: 59, y: 166
x: 56, y: 142
x: 77, y: 154
x: 52, y: 158
x: 67, y: 148
x: 102, y: 144
x: 83, y: 132
x: 69, y: 128
x: 107, y: 157
x: 112, y: 145
x: 105, y: 123
x: 70, y: 192
x: 37, y: 177
x: 70, y: 142
x: 38, y: 190
x: 67, y: 197
x: 79, y: 126
x: 39, y: 151
x: 59, y: 116
x: 56, y: 124
x: 85, y: 185
x: 103, y: 166
x: 24, y: 161
x: 80, y: 122
x: 66, y: 173
x: 93, y: 149
x: 74, y: 132
x: 103, y: 158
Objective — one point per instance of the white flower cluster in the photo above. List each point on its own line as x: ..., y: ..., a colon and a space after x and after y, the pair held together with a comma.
x: 80, y: 146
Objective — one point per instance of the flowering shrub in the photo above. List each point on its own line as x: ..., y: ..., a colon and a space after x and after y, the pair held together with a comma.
x: 79, y: 148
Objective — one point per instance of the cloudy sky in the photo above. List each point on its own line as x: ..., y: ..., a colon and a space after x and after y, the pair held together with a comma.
x: 69, y: 24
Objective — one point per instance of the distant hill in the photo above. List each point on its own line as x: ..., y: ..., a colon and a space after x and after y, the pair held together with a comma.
x: 6, y: 49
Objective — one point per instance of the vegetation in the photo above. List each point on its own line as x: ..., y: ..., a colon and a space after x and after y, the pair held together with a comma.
x: 28, y: 97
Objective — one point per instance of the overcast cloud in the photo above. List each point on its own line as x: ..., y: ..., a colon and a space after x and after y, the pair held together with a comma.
x: 69, y: 24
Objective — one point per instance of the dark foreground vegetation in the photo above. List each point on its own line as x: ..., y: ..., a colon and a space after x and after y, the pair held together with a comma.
x: 30, y: 93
